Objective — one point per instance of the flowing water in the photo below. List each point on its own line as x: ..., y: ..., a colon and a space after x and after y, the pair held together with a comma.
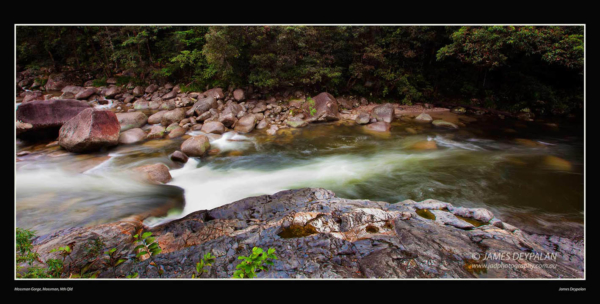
x: 486, y: 163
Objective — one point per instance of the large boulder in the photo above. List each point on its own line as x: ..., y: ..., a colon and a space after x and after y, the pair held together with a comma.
x: 132, y: 120
x: 47, y: 116
x: 202, y: 106
x: 323, y: 107
x: 246, y: 123
x: 172, y: 116
x: 213, y: 127
x: 132, y: 136
x: 383, y: 113
x: 155, y: 173
x: 195, y: 146
x: 90, y: 130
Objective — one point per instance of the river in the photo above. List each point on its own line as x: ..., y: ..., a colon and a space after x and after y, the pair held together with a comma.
x: 516, y: 169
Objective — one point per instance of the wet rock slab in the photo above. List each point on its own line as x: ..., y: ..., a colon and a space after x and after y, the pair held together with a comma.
x: 344, y: 239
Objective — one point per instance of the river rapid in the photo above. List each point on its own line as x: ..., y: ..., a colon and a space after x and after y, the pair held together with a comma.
x: 530, y: 173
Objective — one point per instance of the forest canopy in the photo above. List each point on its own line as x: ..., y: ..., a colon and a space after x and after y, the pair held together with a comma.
x: 507, y: 67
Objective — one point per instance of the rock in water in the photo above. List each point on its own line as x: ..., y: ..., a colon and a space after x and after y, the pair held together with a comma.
x: 177, y: 132
x: 444, y: 124
x: 132, y: 136
x: 323, y: 106
x: 195, y: 146
x: 424, y: 117
x: 213, y: 127
x: 296, y: 122
x: 89, y: 131
x: 363, y: 118
x: 47, y: 116
x: 383, y: 113
x: 246, y: 123
x: 379, y: 126
x: 132, y: 120
x: 157, y: 173
x: 179, y: 156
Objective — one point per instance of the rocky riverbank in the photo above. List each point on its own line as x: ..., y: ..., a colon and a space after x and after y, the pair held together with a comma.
x: 318, y: 235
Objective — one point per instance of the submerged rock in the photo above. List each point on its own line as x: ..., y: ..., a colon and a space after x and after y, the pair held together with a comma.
x: 444, y: 124
x: 318, y: 235
x: 424, y: 145
x: 379, y: 126
x: 557, y: 163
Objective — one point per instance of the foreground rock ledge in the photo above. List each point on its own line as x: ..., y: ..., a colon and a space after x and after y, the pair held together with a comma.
x: 342, y: 239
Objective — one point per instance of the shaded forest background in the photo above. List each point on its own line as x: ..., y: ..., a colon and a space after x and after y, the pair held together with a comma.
x: 499, y: 67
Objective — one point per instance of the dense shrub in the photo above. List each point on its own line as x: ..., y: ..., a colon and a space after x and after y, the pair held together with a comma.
x: 504, y: 66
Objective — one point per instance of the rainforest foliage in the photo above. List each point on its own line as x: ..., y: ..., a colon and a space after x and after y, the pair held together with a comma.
x: 509, y: 67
